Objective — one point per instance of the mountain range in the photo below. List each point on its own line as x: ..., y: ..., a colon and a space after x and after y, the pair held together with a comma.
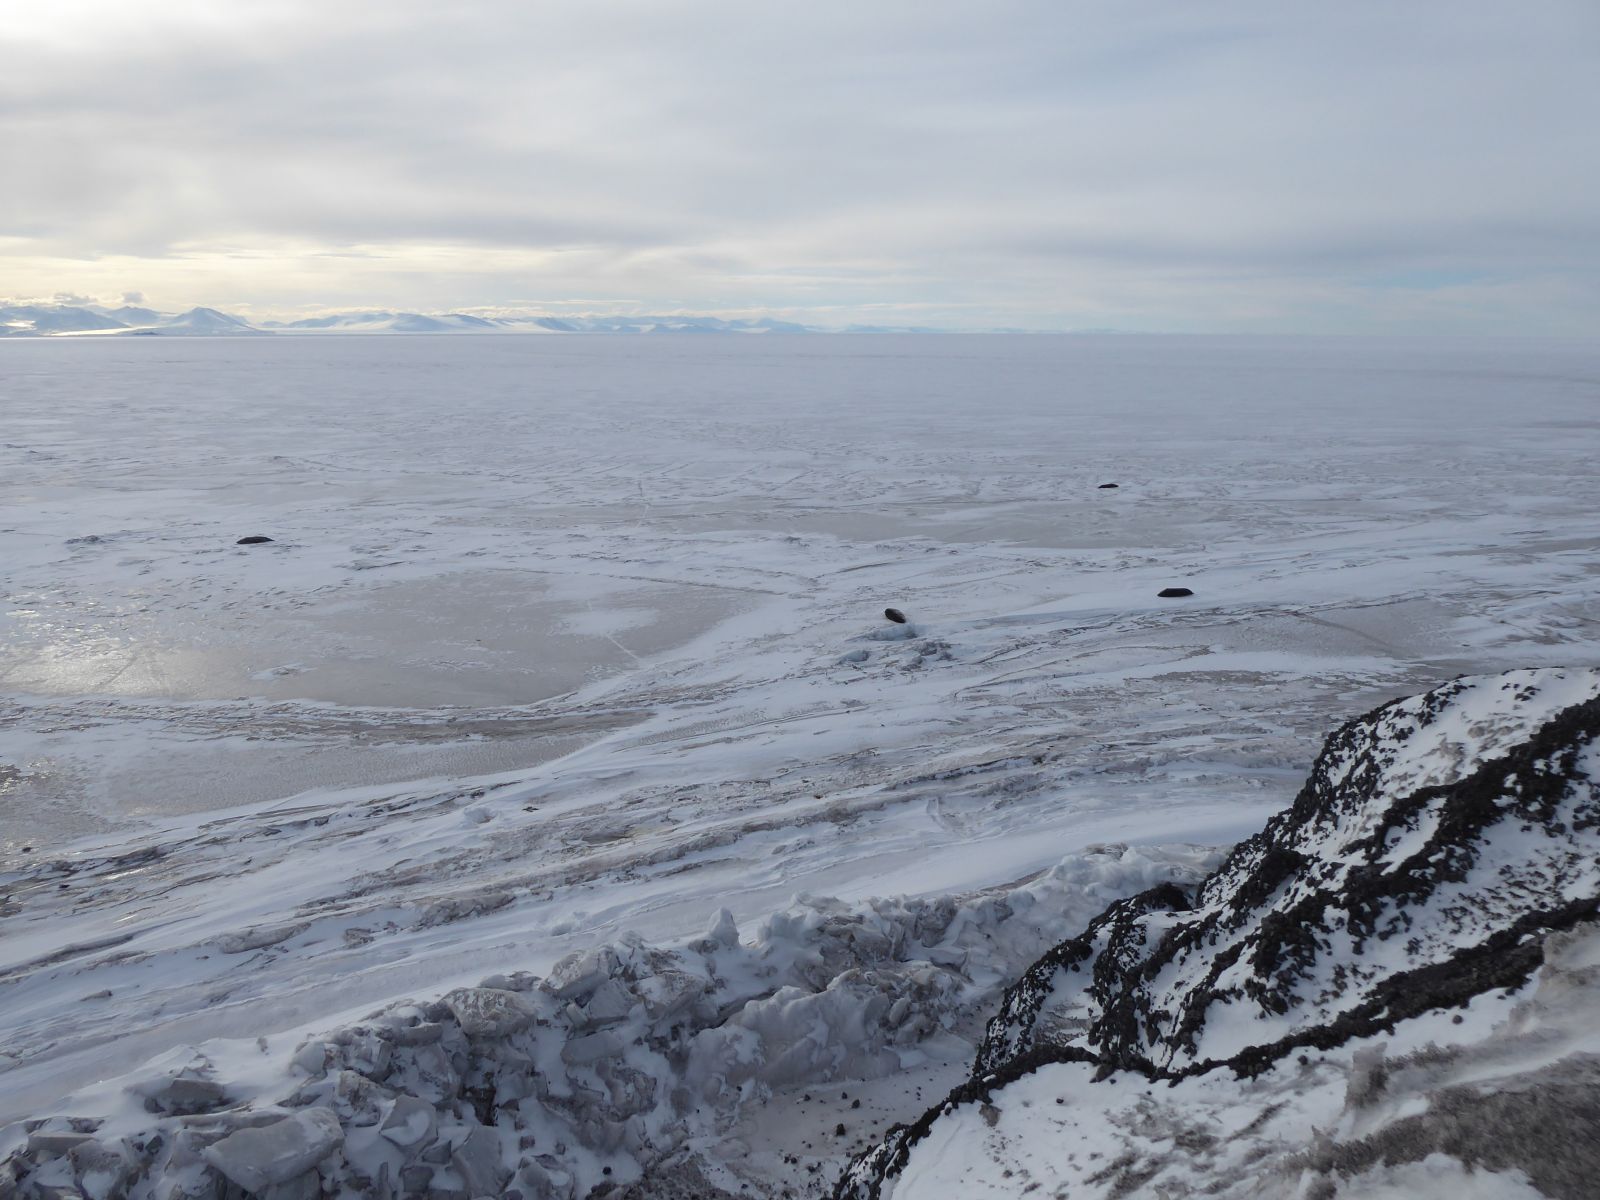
x: 92, y: 320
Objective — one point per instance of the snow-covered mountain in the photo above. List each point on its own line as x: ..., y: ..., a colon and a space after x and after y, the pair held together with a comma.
x: 55, y: 320
x: 1431, y: 896
x: 129, y: 314
x: 29, y: 320
x: 204, y: 322
x: 34, y: 320
x: 403, y: 322
x: 652, y: 324
x: 1388, y: 992
x: 389, y: 322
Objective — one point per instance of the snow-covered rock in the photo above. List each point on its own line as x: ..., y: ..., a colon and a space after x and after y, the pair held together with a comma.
x: 1441, y: 846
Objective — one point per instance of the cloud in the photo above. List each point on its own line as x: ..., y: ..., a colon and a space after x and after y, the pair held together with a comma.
x: 1164, y: 165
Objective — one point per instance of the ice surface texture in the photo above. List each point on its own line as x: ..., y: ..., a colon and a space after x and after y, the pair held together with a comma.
x: 334, y: 770
x: 1438, y: 844
x: 468, y: 529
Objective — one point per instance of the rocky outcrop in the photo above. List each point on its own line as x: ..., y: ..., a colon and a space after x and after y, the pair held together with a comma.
x: 1437, y: 846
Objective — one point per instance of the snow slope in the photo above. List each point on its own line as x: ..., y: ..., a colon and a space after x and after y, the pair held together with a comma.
x: 1443, y: 850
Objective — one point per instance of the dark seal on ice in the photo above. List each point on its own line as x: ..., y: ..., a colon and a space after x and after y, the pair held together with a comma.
x: 255, y: 539
x: 1173, y: 593
x: 1103, y: 486
x: 895, y: 615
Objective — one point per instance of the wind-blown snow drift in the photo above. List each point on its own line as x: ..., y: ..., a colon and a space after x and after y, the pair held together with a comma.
x: 1438, y: 847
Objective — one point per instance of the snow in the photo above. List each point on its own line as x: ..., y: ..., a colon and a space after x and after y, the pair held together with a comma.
x: 1321, y: 1124
x: 562, y: 639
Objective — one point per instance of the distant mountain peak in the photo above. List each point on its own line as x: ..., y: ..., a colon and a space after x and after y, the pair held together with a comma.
x: 209, y: 319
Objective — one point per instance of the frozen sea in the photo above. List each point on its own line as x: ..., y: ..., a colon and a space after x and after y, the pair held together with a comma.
x: 566, y: 636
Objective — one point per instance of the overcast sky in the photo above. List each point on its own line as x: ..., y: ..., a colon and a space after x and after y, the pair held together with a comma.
x: 1405, y: 165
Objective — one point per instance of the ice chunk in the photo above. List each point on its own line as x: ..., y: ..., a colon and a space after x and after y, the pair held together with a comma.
x: 591, y: 1047
x: 410, y: 1122
x: 723, y: 930
x: 477, y: 1161
x: 576, y: 976
x: 52, y: 1143
x: 610, y: 1003
x: 181, y: 1094
x: 276, y: 1153
x: 489, y: 1012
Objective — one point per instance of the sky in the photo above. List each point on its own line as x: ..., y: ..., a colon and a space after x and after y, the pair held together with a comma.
x: 1423, y: 166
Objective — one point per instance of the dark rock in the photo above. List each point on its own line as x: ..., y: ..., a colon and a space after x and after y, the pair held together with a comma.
x: 895, y: 615
x: 678, y: 1177
x: 254, y: 539
x: 1172, y: 593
